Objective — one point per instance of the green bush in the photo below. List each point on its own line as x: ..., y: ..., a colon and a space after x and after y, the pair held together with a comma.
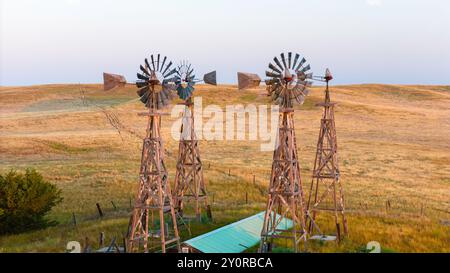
x: 25, y: 199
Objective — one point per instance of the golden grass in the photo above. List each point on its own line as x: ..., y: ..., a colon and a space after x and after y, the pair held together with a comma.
x: 393, y: 145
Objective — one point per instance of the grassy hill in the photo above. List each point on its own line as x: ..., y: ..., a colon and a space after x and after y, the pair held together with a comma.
x: 394, y: 144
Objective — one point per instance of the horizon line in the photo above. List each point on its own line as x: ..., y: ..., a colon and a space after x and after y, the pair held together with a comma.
x: 235, y: 84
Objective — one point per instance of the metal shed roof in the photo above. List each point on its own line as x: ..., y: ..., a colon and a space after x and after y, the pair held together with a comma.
x: 235, y: 237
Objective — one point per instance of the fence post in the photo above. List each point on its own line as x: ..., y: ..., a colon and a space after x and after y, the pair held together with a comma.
x: 101, y: 239
x: 208, y: 213
x: 338, y: 233
x: 87, y: 245
x: 74, y: 219
x: 124, y: 241
x: 114, y: 205
x: 100, y: 212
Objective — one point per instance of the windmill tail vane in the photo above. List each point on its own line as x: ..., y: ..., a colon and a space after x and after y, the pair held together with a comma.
x: 248, y: 80
x: 111, y: 81
x: 210, y: 78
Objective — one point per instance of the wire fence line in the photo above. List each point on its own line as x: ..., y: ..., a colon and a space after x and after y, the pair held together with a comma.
x: 110, y: 114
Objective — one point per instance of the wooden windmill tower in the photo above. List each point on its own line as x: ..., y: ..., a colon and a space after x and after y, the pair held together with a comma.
x: 153, y: 224
x: 189, y: 181
x: 285, y: 211
x: 326, y: 193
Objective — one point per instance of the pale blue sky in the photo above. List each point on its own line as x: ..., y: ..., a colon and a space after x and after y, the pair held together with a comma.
x: 362, y: 41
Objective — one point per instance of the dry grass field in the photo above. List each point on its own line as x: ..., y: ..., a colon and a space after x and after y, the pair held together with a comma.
x: 394, y: 144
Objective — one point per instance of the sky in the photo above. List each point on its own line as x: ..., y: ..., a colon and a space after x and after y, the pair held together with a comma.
x: 361, y: 41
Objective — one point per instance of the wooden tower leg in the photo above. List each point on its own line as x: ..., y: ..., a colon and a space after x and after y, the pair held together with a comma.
x: 284, y: 217
x: 326, y: 192
x: 154, y: 196
x: 189, y: 181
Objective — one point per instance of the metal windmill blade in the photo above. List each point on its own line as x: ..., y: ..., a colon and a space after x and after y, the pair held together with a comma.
x: 300, y: 64
x: 162, y: 65
x: 144, y: 94
x: 147, y: 65
x: 144, y: 70
x: 142, y: 77
x: 111, y: 81
x: 153, y: 63
x: 170, y: 73
x: 295, y: 60
x: 277, y: 62
x: 271, y: 66
x: 306, y: 68
x: 289, y: 59
x: 273, y: 75
x: 157, y: 64
x: 283, y: 59
x: 167, y: 68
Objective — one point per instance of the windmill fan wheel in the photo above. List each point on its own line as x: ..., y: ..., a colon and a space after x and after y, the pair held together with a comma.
x: 154, y: 82
x: 288, y: 80
x: 184, y: 80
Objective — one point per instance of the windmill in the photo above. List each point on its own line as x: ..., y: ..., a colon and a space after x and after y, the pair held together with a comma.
x: 153, y: 205
x: 326, y: 193
x: 287, y: 84
x: 189, y: 181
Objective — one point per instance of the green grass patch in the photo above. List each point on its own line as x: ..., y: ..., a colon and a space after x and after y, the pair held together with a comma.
x: 61, y: 147
x: 74, y: 104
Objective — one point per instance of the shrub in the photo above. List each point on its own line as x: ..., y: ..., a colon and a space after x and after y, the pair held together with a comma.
x: 25, y: 199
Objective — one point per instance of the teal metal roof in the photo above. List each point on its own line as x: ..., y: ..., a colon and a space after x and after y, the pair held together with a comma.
x: 235, y: 237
